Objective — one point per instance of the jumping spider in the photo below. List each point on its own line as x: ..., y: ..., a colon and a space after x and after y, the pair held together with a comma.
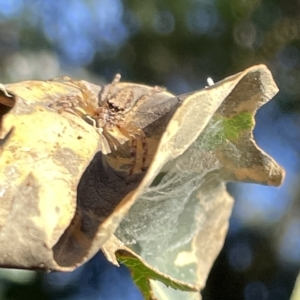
x: 107, y: 114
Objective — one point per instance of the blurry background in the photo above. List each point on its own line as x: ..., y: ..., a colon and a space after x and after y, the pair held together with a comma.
x: 176, y: 44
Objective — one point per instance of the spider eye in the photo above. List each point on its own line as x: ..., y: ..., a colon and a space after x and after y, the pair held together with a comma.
x: 110, y: 105
x: 114, y: 108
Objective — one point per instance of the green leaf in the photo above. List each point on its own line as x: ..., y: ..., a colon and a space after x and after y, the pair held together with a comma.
x: 142, y: 273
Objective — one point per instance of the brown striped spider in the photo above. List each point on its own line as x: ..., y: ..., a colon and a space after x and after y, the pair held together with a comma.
x: 107, y: 115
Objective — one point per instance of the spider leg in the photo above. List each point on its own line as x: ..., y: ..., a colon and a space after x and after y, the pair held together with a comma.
x: 133, y: 150
x: 110, y: 139
x: 87, y: 95
x: 67, y: 109
x: 107, y: 90
x: 117, y: 78
x: 144, y: 147
x: 139, y: 134
x: 63, y: 105
x: 89, y: 120
x: 61, y: 79
x: 133, y: 147
x: 105, y: 148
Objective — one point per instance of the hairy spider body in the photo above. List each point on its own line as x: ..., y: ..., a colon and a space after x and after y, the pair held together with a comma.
x: 107, y: 115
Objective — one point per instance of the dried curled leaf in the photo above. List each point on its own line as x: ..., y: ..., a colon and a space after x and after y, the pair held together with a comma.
x: 62, y: 198
x: 180, y: 222
x: 41, y: 164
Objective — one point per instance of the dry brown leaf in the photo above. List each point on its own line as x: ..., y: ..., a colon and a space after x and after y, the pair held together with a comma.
x: 43, y: 162
x: 196, y: 142
x: 180, y: 224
